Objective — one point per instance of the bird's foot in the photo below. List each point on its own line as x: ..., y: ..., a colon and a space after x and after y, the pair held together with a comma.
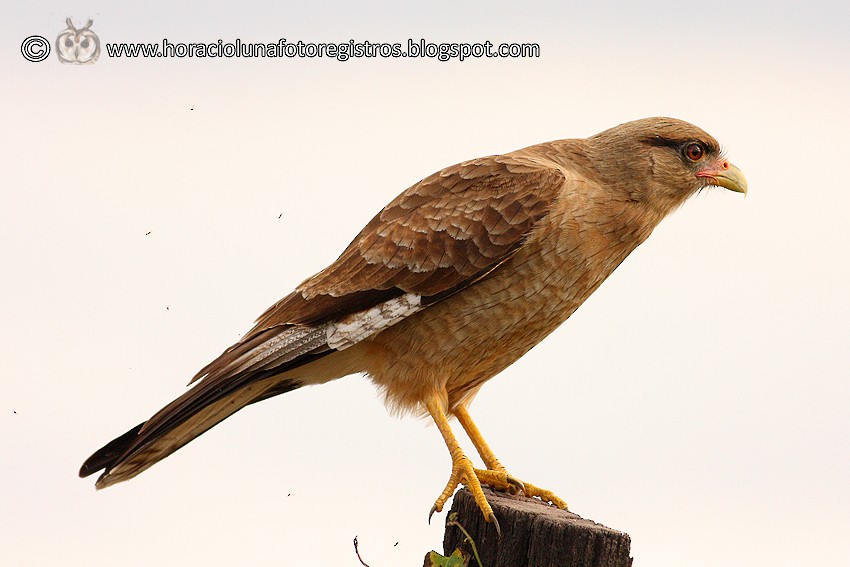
x: 464, y: 473
x: 501, y: 480
x: 545, y: 495
x: 495, y: 475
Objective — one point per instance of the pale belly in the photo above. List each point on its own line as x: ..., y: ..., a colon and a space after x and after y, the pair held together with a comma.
x: 450, y: 349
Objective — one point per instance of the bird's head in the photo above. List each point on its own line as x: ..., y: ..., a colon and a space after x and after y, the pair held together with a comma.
x: 663, y: 161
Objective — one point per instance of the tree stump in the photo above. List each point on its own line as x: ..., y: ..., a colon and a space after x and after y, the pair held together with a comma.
x: 534, y: 534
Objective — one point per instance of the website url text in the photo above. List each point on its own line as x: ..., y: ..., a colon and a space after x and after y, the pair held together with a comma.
x: 339, y: 51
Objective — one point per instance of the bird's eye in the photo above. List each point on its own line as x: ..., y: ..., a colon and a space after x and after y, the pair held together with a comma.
x: 694, y: 151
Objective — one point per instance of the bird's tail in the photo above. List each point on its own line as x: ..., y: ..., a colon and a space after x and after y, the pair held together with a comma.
x: 269, y: 363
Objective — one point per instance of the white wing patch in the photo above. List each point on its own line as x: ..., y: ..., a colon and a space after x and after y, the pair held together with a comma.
x: 353, y: 328
x: 283, y: 348
x: 279, y: 349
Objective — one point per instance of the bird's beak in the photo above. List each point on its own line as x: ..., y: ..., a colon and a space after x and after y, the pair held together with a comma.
x: 726, y: 175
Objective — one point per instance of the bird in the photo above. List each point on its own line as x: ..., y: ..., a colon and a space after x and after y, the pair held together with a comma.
x: 453, y: 281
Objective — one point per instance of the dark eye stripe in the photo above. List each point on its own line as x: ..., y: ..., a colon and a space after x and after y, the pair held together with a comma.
x: 679, y: 145
x: 659, y: 141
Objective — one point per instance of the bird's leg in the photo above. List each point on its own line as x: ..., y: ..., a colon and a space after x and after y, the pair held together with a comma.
x: 496, y: 475
x: 462, y: 470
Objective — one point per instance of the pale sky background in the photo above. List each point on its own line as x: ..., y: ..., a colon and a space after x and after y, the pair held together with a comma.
x: 151, y: 209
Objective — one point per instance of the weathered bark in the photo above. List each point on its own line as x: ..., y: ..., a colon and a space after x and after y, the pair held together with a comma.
x: 534, y: 534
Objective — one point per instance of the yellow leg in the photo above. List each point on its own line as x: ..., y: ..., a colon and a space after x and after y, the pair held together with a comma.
x: 474, y: 434
x: 462, y: 470
x: 496, y: 475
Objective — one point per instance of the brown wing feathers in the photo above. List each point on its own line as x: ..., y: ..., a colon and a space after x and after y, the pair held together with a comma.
x: 442, y: 232
x: 439, y: 236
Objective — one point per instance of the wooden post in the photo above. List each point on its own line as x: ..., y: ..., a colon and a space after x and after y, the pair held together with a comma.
x: 534, y: 534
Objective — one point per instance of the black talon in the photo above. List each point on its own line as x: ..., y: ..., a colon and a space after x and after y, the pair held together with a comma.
x: 517, y: 484
x: 495, y: 523
x: 431, y: 513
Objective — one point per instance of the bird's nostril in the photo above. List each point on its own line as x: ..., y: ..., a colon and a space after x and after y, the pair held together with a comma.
x: 725, y: 165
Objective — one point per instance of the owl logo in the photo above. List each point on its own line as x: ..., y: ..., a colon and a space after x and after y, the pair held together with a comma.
x: 78, y: 46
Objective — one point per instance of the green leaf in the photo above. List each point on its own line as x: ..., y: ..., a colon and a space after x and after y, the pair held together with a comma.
x: 456, y: 559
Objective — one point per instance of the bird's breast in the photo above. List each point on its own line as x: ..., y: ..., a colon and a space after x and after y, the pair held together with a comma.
x: 454, y: 346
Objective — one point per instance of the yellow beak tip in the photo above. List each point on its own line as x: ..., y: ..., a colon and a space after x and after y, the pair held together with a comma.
x: 732, y: 179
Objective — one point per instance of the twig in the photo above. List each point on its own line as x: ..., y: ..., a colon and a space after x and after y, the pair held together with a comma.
x: 357, y: 551
x: 452, y: 521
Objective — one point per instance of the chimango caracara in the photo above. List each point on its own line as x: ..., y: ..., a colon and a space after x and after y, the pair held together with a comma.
x: 448, y: 285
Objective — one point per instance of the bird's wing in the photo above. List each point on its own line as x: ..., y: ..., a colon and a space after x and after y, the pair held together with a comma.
x: 441, y: 233
x: 439, y: 236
